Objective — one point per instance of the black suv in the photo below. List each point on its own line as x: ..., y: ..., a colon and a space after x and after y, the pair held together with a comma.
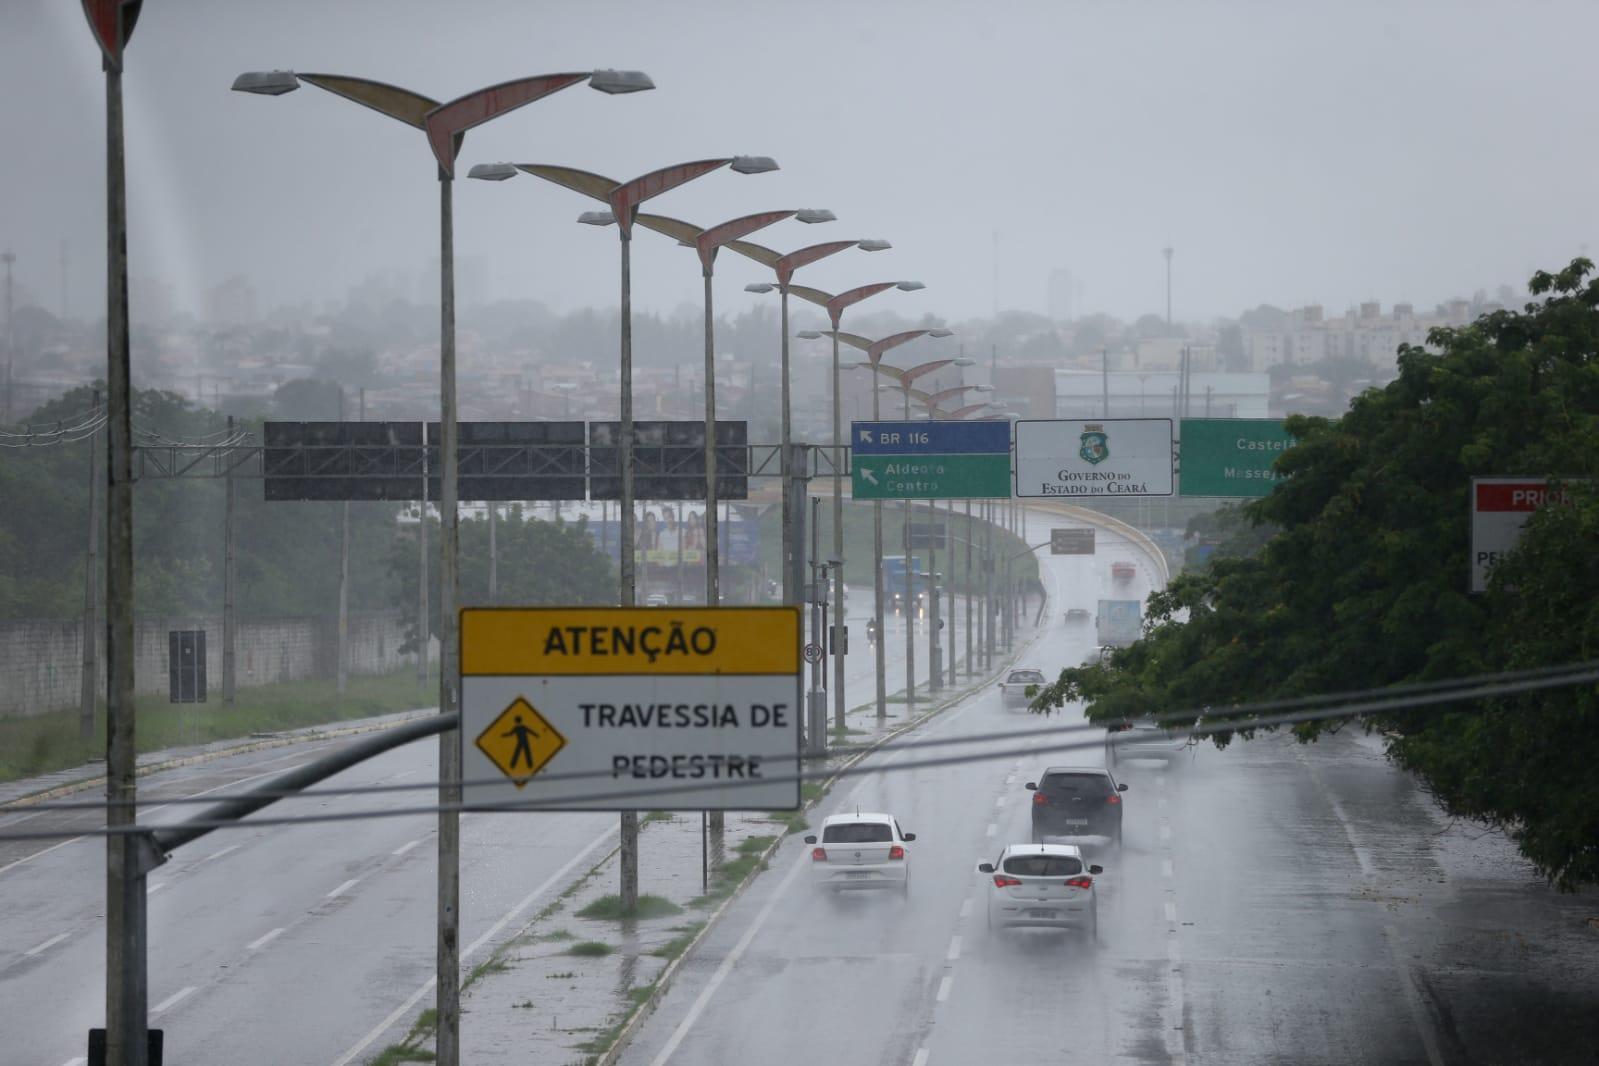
x: 1071, y: 801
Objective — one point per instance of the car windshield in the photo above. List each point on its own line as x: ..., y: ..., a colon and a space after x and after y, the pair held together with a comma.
x: 1043, y: 865
x: 858, y: 833
x: 1076, y: 784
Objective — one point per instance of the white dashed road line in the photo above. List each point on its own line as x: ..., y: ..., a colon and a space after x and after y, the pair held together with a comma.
x: 966, y: 907
x: 342, y: 889
x: 954, y: 948
x: 262, y: 941
x: 991, y: 830
x: 217, y: 854
x: 1165, y: 868
x: 46, y: 946
x: 944, y: 986
x: 1171, y: 912
x: 173, y: 1000
x: 919, y: 1060
x: 403, y: 848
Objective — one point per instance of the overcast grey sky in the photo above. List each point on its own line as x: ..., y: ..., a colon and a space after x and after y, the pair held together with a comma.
x: 1291, y: 152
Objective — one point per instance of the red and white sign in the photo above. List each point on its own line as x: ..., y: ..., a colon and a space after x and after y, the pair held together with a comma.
x: 1500, y: 507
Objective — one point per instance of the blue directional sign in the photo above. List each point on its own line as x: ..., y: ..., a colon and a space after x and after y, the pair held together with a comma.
x: 930, y: 460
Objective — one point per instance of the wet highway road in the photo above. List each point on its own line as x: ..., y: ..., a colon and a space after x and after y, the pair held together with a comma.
x: 1271, y: 904
x: 274, y: 945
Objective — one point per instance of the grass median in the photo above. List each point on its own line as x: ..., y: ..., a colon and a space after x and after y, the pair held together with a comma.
x: 48, y: 742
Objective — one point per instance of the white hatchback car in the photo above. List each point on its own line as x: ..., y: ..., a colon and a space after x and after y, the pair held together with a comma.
x: 861, y: 851
x: 1047, y: 886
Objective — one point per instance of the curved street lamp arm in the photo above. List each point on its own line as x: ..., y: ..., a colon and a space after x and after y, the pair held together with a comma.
x: 758, y: 252
x: 836, y: 306
x: 445, y: 124
x: 391, y: 100
x: 582, y: 181
x: 786, y: 265
x: 625, y: 198
x: 815, y: 296
x: 894, y: 341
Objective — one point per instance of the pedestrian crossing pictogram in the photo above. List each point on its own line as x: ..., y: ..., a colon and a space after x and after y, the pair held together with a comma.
x: 520, y: 742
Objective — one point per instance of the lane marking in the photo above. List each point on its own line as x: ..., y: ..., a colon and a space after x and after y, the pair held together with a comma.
x: 1160, y: 779
x: 1165, y: 867
x: 723, y: 970
x: 217, y: 855
x: 403, y: 848
x: 1161, y: 802
x: 944, y: 987
x: 1174, y: 950
x: 954, y: 948
x: 919, y: 1060
x: 1171, y: 912
x: 79, y: 1061
x: 262, y: 941
x: 35, y: 855
x: 342, y: 889
x: 991, y: 830
x: 1000, y: 802
x: 1165, y: 831
x: 509, y: 916
x: 147, y: 812
x: 966, y: 907
x: 152, y: 887
x: 173, y: 1000
x: 46, y: 946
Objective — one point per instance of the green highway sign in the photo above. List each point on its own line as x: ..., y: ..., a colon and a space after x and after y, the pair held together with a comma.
x: 930, y: 460
x: 1230, y: 457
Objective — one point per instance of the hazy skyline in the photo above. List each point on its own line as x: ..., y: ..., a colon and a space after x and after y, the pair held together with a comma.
x: 1328, y: 155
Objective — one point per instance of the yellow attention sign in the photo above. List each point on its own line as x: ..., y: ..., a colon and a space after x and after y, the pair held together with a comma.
x: 618, y: 641
x: 520, y: 742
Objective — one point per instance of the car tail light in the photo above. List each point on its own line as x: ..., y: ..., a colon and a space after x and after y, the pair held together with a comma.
x: 1040, y: 800
x: 819, y: 854
x: 1080, y: 882
x: 896, y: 852
x: 1113, y: 799
x: 1002, y: 881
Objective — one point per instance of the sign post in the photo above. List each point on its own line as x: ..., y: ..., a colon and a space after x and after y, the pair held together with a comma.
x: 930, y: 460
x: 631, y: 708
x: 1098, y: 457
x: 1230, y: 457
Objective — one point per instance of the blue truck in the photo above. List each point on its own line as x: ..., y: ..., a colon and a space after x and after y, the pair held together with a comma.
x: 894, y: 583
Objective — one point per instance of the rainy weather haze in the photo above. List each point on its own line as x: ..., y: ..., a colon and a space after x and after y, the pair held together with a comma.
x: 897, y: 534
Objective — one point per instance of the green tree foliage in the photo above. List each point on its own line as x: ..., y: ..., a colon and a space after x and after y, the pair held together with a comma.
x: 539, y: 563
x: 1360, y: 577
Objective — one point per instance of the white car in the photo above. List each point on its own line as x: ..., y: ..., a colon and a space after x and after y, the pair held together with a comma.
x: 1046, y: 886
x: 1145, y: 738
x: 861, y: 851
x: 1013, y: 690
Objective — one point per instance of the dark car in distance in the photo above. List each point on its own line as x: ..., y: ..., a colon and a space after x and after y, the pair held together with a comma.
x: 1076, y: 801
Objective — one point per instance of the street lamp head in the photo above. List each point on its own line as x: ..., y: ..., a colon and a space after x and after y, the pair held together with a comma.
x: 940, y: 333
x: 759, y: 286
x: 808, y: 334
x: 753, y: 164
x: 873, y: 245
x: 492, y: 171
x: 909, y: 286
x: 266, y: 82
x: 615, y: 82
x: 981, y: 388
x: 597, y: 218
x: 963, y: 362
x: 810, y: 215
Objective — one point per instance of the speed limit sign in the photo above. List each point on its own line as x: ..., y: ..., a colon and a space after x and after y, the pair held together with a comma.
x: 813, y: 653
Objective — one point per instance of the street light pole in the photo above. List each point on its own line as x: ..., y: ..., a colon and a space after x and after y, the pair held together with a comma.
x: 624, y: 199
x: 445, y: 125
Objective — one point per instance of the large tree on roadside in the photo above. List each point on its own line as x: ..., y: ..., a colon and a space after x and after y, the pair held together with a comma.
x: 1362, y: 580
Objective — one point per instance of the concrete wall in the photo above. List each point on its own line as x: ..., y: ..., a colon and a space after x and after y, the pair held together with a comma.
x: 41, y: 661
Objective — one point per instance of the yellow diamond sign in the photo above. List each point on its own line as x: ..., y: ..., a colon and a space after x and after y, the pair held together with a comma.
x: 520, y: 742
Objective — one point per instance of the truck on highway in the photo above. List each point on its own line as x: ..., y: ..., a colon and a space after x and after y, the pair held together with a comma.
x: 1118, y: 623
x: 894, y: 583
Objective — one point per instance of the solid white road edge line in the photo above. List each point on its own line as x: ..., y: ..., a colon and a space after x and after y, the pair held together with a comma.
x: 700, y: 1001
x: 342, y: 889
x: 403, y: 848
x: 492, y: 931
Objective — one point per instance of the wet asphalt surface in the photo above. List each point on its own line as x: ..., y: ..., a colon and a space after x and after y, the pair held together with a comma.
x: 1271, y: 903
x: 274, y: 945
